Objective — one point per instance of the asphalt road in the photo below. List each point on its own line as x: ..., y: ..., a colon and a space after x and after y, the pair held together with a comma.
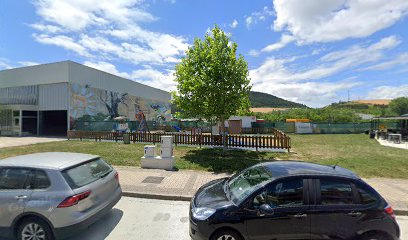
x: 135, y: 218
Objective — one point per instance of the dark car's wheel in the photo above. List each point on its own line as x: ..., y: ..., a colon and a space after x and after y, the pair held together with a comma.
x: 226, y: 235
x: 374, y: 236
x: 34, y: 229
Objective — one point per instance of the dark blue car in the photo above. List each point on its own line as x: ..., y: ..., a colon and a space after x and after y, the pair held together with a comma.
x: 291, y: 200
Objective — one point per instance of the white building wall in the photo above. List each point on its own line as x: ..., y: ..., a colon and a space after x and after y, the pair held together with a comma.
x: 68, y: 71
x: 35, y: 75
x: 94, y: 78
x: 53, y: 97
x: 246, y: 120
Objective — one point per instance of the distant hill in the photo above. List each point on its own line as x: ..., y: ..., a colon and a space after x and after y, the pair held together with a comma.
x: 384, y: 102
x: 264, y: 100
x: 361, y: 104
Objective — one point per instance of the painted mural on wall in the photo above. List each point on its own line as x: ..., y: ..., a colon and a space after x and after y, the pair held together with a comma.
x: 92, y: 104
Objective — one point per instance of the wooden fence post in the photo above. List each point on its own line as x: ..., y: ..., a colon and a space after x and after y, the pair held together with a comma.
x: 256, y: 143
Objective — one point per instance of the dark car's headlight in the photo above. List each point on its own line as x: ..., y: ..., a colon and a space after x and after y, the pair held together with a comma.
x: 202, y: 213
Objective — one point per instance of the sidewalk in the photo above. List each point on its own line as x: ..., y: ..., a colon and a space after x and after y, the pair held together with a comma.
x: 161, y: 184
x: 403, y: 145
x: 181, y: 185
x: 395, y: 191
x: 22, y: 141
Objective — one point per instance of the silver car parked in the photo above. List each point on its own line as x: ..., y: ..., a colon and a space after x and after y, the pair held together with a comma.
x: 44, y: 196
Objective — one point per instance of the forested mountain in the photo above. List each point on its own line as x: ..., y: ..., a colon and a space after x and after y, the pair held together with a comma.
x: 259, y: 99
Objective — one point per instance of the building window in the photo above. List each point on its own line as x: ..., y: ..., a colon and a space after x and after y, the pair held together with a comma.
x: 17, y: 122
x: 26, y: 95
x: 6, y: 120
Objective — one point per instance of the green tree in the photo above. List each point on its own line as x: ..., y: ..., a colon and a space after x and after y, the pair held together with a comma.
x: 212, y: 81
x: 399, y: 105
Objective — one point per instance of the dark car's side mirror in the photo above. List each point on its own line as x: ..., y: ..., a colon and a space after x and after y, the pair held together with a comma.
x: 265, y: 209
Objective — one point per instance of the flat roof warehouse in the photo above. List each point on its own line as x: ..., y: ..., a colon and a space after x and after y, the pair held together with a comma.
x: 48, y: 99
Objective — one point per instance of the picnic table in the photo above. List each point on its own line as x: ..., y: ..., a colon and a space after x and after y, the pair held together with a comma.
x: 395, y: 137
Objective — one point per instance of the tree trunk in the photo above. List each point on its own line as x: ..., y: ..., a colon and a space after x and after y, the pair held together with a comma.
x: 224, y: 136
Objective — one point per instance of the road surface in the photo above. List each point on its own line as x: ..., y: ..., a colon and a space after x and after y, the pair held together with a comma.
x: 135, y: 218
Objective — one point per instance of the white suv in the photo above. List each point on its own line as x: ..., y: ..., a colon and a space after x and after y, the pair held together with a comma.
x: 54, y: 195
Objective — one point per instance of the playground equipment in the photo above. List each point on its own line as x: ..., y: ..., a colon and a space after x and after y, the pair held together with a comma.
x: 142, y: 122
x: 121, y: 124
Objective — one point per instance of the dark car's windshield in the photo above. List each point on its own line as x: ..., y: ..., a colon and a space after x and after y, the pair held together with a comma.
x: 248, y: 181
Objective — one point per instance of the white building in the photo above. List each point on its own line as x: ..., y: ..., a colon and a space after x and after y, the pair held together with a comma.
x: 50, y: 98
x: 246, y: 121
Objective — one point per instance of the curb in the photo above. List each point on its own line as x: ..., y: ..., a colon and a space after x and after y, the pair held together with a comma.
x: 158, y: 196
x: 400, y: 212
x: 397, y: 212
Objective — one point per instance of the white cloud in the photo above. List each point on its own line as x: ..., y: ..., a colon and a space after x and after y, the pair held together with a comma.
x: 324, y: 21
x: 106, y: 67
x: 249, y: 21
x: 284, y: 40
x: 146, y: 75
x: 46, y: 28
x: 234, y: 24
x: 388, y: 92
x: 76, y: 15
x: 28, y: 63
x: 155, y: 78
x: 276, y: 69
x: 277, y: 76
x: 107, y: 29
x: 4, y: 64
x: 62, y: 41
x: 253, y: 53
x: 256, y: 17
x: 401, y: 59
x: 314, y: 94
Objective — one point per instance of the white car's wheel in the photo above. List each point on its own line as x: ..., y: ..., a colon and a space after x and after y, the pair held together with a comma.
x: 34, y: 229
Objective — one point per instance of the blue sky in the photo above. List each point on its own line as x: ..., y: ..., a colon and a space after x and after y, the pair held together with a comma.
x: 309, y: 51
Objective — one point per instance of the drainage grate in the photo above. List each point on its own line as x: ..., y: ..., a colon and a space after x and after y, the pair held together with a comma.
x: 155, y: 180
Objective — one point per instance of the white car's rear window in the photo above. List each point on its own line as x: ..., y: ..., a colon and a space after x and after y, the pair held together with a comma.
x: 86, y: 173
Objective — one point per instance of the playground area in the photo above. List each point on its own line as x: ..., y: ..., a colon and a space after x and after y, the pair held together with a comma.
x: 202, y: 127
x: 195, y: 133
x: 390, y: 131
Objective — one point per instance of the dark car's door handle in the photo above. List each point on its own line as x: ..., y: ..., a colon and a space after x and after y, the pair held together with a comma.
x: 354, y: 214
x: 300, y: 215
x: 21, y: 196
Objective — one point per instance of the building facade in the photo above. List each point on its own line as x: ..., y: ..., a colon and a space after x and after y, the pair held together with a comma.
x: 49, y: 99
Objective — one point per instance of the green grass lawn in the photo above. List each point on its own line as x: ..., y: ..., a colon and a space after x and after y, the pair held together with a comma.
x: 353, y: 151
x: 356, y: 152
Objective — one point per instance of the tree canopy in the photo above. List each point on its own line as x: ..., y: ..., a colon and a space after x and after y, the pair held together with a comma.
x: 399, y: 105
x: 212, y: 81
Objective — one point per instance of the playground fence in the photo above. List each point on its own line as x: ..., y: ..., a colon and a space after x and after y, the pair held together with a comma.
x: 279, y: 140
x: 257, y: 128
